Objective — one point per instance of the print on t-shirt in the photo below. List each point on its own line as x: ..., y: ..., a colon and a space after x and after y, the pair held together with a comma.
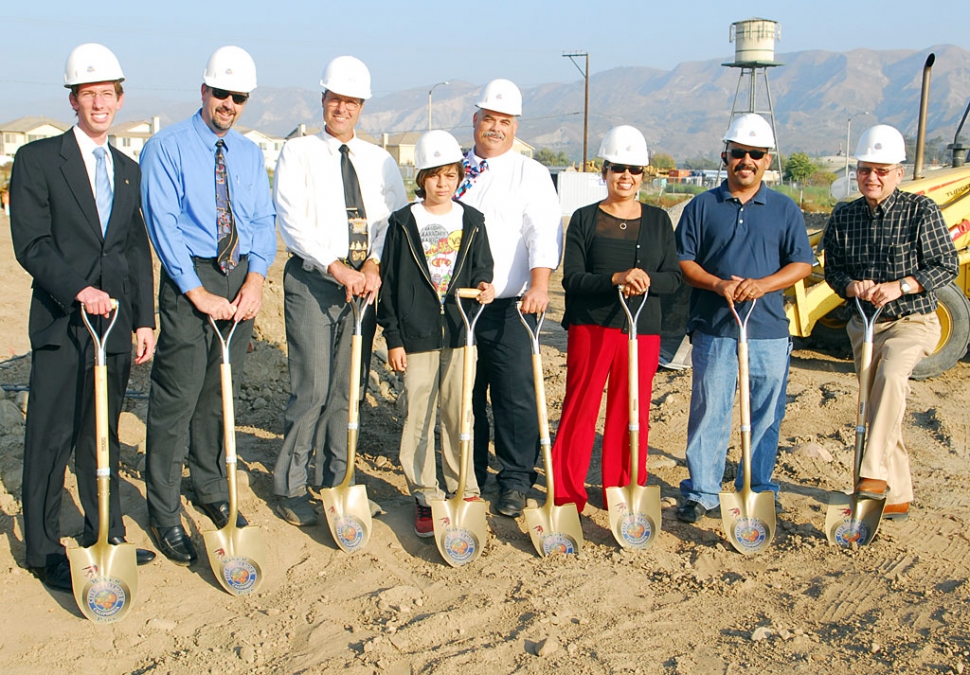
x: 440, y: 250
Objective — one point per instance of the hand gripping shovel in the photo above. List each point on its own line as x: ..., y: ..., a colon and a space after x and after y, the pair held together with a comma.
x: 459, y: 526
x: 554, y: 529
x: 634, y: 509
x: 235, y: 554
x: 104, y: 576
x: 346, y: 505
x: 851, y: 519
x: 748, y: 517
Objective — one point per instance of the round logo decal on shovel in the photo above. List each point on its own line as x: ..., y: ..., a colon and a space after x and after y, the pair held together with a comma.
x: 851, y: 532
x: 636, y: 529
x: 105, y: 598
x: 350, y: 532
x: 240, y: 574
x: 557, y: 542
x: 750, y: 532
x: 460, y: 545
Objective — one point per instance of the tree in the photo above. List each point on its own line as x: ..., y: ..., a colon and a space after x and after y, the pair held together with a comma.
x: 551, y: 157
x: 799, y: 167
x: 662, y: 161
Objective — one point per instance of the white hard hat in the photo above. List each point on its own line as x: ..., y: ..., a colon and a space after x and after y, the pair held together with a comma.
x: 436, y: 148
x: 347, y: 76
x: 750, y: 129
x: 624, y: 145
x: 231, y: 68
x: 91, y: 62
x: 881, y: 144
x: 501, y: 96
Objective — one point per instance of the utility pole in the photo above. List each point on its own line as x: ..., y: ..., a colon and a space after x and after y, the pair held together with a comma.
x: 571, y: 56
x: 446, y: 82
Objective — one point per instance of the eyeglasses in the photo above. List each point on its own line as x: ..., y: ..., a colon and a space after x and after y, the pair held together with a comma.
x: 738, y: 153
x: 222, y: 95
x: 622, y: 168
x: 864, y: 171
x: 351, y: 104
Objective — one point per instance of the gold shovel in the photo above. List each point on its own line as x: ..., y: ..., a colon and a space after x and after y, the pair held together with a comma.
x: 634, y: 509
x: 235, y: 554
x: 104, y: 576
x: 346, y: 505
x: 748, y: 517
x: 553, y: 529
x: 459, y: 526
x: 850, y: 519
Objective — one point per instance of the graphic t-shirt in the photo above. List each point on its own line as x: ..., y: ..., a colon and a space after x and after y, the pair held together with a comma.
x: 441, y: 239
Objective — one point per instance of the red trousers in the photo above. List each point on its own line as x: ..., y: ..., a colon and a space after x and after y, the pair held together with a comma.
x: 594, y: 354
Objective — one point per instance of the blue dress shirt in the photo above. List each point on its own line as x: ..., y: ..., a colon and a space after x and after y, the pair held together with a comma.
x: 179, y: 196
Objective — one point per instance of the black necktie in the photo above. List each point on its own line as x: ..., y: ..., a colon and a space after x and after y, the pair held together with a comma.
x: 356, y: 215
x: 228, y: 239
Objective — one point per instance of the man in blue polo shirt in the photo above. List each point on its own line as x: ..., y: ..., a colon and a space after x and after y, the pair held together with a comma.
x: 212, y: 222
x: 736, y: 243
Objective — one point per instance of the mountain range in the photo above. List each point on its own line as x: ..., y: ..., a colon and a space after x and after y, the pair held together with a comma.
x: 683, y: 111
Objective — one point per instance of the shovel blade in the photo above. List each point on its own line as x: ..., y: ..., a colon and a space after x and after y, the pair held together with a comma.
x: 852, y: 521
x: 748, y: 519
x: 105, y: 580
x: 348, y: 515
x: 554, y: 529
x: 459, y: 529
x: 634, y: 514
x: 236, y: 556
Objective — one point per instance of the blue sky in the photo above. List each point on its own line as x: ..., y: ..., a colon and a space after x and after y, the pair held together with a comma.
x: 163, y: 46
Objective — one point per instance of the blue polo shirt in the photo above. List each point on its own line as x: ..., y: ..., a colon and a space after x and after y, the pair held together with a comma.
x: 752, y: 240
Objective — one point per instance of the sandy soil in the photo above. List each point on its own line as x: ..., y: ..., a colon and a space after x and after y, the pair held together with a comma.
x: 689, y: 605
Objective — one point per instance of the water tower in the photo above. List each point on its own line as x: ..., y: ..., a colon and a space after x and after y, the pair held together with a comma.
x: 754, y: 53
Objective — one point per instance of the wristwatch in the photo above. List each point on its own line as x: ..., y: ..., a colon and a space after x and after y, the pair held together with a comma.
x: 905, y: 286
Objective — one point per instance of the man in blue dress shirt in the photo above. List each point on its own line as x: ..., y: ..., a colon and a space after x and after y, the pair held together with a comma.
x: 211, y: 219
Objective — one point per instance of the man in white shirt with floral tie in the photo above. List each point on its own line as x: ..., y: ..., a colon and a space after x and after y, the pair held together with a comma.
x: 524, y: 224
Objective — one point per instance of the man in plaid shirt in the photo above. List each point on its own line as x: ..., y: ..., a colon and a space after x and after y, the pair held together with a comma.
x: 891, y: 249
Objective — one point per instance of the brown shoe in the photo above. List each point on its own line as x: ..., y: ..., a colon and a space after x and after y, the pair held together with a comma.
x: 896, y: 511
x: 871, y: 488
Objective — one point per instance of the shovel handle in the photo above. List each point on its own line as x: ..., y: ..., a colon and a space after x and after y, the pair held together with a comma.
x: 468, y: 292
x: 100, y: 357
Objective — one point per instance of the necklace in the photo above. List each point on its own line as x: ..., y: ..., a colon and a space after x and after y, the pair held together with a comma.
x: 623, y: 225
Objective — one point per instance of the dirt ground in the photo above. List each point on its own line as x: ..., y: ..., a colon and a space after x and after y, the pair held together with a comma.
x: 688, y: 605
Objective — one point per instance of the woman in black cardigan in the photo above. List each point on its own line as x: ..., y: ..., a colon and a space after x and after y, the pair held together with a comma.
x: 615, y: 241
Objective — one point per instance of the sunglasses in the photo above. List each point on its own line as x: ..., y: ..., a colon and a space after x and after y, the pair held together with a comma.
x: 881, y: 172
x: 222, y: 95
x: 621, y: 168
x: 738, y: 153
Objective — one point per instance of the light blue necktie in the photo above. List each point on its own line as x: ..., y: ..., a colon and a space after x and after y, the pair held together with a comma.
x: 103, y: 192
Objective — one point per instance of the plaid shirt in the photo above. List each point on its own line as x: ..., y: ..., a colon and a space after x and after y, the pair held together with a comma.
x: 904, y: 236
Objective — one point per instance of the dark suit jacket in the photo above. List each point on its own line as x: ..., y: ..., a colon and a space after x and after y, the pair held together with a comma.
x: 57, y: 239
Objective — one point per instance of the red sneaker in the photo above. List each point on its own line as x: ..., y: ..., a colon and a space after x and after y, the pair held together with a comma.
x: 423, y: 525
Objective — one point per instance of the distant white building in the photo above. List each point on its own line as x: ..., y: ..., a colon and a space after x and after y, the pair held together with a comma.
x: 130, y: 137
x: 270, y: 145
x: 23, y: 130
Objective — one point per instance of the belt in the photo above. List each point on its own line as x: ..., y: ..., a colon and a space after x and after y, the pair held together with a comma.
x: 885, y: 318
x: 211, y: 261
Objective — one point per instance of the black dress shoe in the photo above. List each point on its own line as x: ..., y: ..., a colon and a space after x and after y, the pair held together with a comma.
x: 142, y: 555
x: 510, y: 503
x: 56, y: 576
x: 174, y: 544
x: 218, y: 512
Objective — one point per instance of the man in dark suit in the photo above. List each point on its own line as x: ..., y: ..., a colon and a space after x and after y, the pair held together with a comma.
x: 77, y: 228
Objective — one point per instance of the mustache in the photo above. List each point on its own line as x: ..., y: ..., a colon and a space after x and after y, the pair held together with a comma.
x: 498, y: 135
x: 743, y: 167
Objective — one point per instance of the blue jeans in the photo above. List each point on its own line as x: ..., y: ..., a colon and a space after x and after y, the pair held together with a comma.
x: 715, y: 378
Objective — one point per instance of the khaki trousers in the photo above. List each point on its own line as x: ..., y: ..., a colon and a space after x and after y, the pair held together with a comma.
x: 432, y: 381
x: 898, y: 346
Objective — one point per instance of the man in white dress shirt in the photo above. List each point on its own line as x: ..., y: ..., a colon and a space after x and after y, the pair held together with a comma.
x: 333, y: 194
x: 524, y: 224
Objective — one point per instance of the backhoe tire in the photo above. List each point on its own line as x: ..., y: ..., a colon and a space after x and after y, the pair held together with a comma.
x: 954, y: 313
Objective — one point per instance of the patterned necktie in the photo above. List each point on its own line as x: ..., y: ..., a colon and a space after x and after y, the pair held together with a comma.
x: 471, y: 173
x: 103, y: 193
x: 228, y: 246
x: 356, y: 215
